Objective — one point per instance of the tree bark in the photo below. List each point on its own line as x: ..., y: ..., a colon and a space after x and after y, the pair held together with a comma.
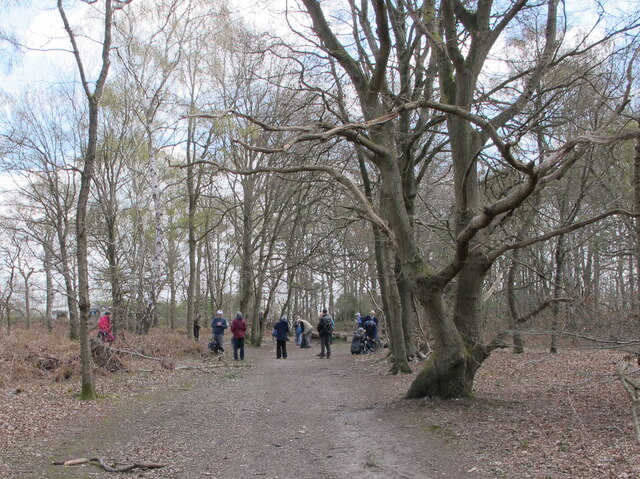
x: 636, y: 198
x: 246, y: 249
x: 406, y: 310
x: 449, y: 371
x: 518, y: 342
x: 49, y: 286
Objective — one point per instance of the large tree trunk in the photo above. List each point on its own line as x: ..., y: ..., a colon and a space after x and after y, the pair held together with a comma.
x: 450, y: 370
x: 392, y: 202
x: 458, y: 346
x: 393, y: 310
x: 406, y: 305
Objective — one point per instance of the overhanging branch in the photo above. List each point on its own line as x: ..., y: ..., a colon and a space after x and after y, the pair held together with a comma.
x: 366, y: 209
x: 560, y: 231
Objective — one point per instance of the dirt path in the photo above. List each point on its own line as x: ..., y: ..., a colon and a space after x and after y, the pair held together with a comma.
x: 303, y: 418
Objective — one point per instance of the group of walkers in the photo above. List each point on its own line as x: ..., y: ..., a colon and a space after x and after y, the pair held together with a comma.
x: 365, y: 337
x: 303, y: 332
x: 238, y: 330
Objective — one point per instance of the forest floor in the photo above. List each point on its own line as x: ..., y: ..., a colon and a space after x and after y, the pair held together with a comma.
x: 534, y: 415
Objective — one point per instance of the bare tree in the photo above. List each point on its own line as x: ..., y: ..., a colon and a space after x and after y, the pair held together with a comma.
x: 150, y: 65
x: 479, y: 111
x: 93, y: 95
x: 38, y: 149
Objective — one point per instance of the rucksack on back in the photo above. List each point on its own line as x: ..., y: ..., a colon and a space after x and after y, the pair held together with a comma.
x: 326, y: 323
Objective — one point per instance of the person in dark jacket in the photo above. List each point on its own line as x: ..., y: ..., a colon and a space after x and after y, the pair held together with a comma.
x: 281, y: 329
x: 218, y: 325
x: 325, y: 331
x: 357, y: 341
x: 371, y: 329
x: 375, y: 320
x: 196, y: 327
x: 238, y: 329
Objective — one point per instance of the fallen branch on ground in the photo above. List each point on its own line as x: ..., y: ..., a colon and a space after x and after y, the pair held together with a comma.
x: 169, y: 365
x: 209, y: 369
x: 107, y: 467
x: 163, y: 361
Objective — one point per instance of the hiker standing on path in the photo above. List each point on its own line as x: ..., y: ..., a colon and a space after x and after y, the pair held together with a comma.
x: 281, y: 329
x: 325, y: 331
x: 238, y: 328
x: 196, y: 327
x: 218, y: 325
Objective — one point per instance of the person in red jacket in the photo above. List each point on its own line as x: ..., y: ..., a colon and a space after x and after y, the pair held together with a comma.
x: 238, y: 328
x: 104, y: 328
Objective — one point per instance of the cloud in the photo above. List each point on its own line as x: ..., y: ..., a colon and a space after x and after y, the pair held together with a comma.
x: 47, y: 58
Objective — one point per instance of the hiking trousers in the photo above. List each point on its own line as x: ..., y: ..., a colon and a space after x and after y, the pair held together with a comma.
x: 325, y: 345
x: 281, y: 349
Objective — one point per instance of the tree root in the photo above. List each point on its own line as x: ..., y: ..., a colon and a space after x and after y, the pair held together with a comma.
x: 107, y: 467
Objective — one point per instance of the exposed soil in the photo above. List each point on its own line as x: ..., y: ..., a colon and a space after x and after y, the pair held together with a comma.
x: 534, y: 416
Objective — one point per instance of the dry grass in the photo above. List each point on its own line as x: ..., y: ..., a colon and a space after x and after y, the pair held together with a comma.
x: 165, y: 343
x: 36, y: 355
x: 534, y: 415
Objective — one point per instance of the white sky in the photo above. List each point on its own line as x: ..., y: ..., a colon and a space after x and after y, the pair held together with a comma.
x: 39, y: 26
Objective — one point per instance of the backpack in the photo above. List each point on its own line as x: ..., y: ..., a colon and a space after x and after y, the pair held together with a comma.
x: 326, y: 324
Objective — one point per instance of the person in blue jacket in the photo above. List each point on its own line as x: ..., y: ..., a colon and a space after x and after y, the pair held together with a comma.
x: 371, y: 329
x: 298, y: 331
x: 372, y: 317
x: 281, y: 329
x: 218, y: 325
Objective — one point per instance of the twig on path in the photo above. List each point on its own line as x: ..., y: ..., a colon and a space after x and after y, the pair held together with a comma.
x: 209, y: 369
x: 107, y: 467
